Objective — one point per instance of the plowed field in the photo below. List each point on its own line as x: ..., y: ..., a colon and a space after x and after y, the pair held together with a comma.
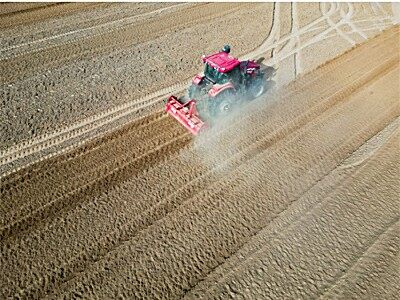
x: 294, y: 197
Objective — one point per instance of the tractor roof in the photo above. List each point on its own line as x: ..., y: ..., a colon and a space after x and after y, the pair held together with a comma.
x: 222, y: 61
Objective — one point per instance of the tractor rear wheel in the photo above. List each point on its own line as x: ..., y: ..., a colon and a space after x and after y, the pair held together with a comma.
x: 223, y: 104
x: 257, y: 88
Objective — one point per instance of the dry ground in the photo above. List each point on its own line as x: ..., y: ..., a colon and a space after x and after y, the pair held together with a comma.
x: 297, y: 200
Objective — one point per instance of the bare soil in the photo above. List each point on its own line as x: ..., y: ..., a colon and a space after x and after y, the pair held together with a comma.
x: 295, y: 196
x: 67, y: 80
x: 144, y: 212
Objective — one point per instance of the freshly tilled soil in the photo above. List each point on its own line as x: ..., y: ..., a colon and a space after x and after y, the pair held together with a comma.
x: 258, y: 208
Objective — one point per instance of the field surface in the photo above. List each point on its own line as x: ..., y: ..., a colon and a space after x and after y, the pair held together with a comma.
x: 102, y: 195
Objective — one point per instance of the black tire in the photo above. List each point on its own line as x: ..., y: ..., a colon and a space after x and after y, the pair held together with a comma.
x: 223, y: 104
x: 257, y: 88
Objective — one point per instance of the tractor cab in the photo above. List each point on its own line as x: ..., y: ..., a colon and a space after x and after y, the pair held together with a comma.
x: 222, y: 67
x: 219, y: 67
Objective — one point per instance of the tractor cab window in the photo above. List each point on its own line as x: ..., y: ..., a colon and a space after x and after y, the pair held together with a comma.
x: 234, y: 74
x: 214, y: 75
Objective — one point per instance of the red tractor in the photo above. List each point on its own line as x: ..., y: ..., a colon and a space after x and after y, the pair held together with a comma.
x: 225, y: 83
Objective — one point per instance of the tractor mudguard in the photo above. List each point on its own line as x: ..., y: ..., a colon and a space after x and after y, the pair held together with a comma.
x: 198, y: 79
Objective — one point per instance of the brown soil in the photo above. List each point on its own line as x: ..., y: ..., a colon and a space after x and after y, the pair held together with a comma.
x: 57, y: 82
x: 15, y: 14
x: 263, y: 207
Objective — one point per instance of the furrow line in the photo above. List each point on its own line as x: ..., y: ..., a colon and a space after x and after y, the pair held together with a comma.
x: 56, y: 205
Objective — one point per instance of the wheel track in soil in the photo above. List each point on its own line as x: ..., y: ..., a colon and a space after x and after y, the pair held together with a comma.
x: 89, y: 33
x: 34, y: 145
x: 376, y: 239
x: 259, y: 147
x: 14, y: 182
x: 99, y: 157
x: 363, y: 132
x: 257, y: 54
x: 235, y: 271
x: 57, y: 137
x: 28, y: 9
x: 26, y: 16
x: 378, y: 252
x: 210, y: 14
x: 99, y: 172
x: 95, y: 187
x: 109, y: 41
x: 289, y: 139
x: 317, y: 115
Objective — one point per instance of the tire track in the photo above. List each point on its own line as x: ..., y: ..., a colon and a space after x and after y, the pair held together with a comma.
x: 275, y: 40
x: 108, y: 42
x: 89, y: 124
x: 153, y: 140
x: 306, y: 79
x: 347, y: 17
x: 28, y: 174
x: 377, y: 268
x: 291, y: 138
x: 249, y: 263
x: 110, y: 26
x: 375, y: 240
x: 295, y: 29
x: 136, y: 141
x: 10, y: 160
x: 372, y: 146
x: 29, y: 9
x: 123, y: 174
x: 336, y: 26
x: 55, y: 206
x: 43, y: 13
